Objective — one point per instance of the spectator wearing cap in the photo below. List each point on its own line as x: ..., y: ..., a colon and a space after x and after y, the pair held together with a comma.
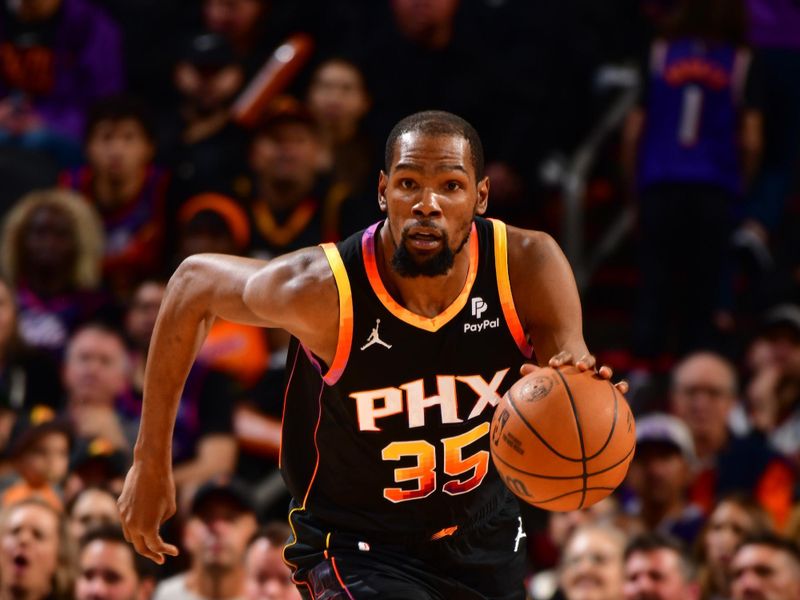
x: 221, y: 522
x: 288, y: 203
x: 766, y: 567
x: 658, y: 567
x: 39, y: 451
x: 51, y: 252
x: 36, y: 552
x: 110, y: 569
x: 774, y: 389
x: 91, y: 508
x: 266, y: 575
x: 703, y: 395
x: 203, y: 148
x: 126, y: 188
x: 216, y: 223
x: 59, y: 56
x: 203, y: 445
x: 96, y: 462
x: 660, y: 477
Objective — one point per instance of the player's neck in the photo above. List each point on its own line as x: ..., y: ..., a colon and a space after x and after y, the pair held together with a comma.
x: 424, y: 296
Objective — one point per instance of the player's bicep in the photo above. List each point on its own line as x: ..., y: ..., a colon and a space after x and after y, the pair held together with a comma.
x: 296, y: 292
x: 546, y: 295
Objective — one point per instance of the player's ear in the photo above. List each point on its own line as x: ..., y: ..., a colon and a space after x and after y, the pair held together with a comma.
x: 483, y: 196
x: 383, y: 181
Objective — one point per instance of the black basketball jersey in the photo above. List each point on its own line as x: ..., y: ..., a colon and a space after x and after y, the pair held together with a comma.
x: 393, y: 436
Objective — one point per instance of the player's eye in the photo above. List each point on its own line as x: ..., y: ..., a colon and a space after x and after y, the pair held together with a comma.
x: 452, y: 186
x: 407, y: 184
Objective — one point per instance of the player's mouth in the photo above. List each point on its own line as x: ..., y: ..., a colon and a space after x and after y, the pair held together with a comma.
x: 423, y: 238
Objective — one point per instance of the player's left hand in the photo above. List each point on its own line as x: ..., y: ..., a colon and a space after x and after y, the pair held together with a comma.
x: 586, y: 362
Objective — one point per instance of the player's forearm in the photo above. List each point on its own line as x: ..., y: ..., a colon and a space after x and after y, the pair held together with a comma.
x: 182, y: 324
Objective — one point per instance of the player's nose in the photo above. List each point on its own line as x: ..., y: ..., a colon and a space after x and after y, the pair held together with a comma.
x: 427, y: 205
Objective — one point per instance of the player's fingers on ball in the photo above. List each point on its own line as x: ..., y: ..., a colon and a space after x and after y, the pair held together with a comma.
x: 605, y: 372
x: 586, y: 362
x: 561, y: 358
x: 622, y: 386
x: 527, y: 369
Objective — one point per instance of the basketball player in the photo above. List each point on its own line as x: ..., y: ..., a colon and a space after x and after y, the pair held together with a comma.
x: 386, y: 445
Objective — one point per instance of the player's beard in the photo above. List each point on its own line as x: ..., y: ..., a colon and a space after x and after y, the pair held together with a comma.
x: 405, y: 265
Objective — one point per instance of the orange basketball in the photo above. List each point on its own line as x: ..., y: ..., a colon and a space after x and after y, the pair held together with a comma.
x: 562, y: 439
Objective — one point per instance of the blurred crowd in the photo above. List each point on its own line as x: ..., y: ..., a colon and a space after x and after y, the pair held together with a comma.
x: 120, y: 156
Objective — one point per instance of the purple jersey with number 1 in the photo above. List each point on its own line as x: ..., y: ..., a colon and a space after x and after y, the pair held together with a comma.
x: 695, y: 91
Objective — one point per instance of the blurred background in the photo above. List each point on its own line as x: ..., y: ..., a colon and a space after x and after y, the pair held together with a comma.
x: 656, y: 140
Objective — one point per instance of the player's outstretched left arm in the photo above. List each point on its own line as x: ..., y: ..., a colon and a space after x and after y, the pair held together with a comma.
x: 547, y: 301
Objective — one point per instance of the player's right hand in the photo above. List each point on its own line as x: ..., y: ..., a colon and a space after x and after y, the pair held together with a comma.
x: 147, y: 500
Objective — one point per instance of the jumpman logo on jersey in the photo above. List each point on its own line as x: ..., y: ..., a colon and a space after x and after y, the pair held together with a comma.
x: 374, y: 338
x: 520, y: 534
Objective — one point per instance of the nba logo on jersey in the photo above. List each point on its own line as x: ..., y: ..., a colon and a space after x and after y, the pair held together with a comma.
x: 478, y: 307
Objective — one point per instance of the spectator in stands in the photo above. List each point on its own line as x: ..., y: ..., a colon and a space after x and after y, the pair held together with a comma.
x: 26, y: 376
x: 127, y: 190
x: 591, y: 565
x: 140, y: 320
x: 658, y: 567
x: 766, y: 567
x: 289, y: 199
x: 221, y: 522
x: 215, y: 223
x: 775, y: 35
x: 266, y: 575
x: 203, y: 444
x: 660, y: 477
x: 248, y: 27
x: 96, y: 375
x: 39, y: 451
x: 96, y: 462
x: 774, y: 389
x: 691, y: 147
x: 704, y: 394
x: 204, y: 149
x: 734, y: 518
x: 110, y: 569
x: 92, y: 508
x: 35, y: 553
x: 339, y: 100
x: 58, y: 57
x: 51, y: 249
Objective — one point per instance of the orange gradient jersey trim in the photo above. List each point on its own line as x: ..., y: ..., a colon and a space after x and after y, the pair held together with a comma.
x: 402, y: 313
x: 504, y: 288
x: 345, y: 338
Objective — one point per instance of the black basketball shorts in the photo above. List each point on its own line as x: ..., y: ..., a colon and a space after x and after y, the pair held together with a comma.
x: 481, y: 561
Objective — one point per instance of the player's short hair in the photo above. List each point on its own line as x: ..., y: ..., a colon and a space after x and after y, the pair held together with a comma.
x: 656, y: 540
x: 774, y: 541
x: 119, y: 108
x: 112, y: 534
x: 437, y: 123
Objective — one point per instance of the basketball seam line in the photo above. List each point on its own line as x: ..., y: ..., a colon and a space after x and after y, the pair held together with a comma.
x: 537, y: 434
x: 580, y: 436
x: 566, y: 477
x: 554, y: 498
x: 613, y: 426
